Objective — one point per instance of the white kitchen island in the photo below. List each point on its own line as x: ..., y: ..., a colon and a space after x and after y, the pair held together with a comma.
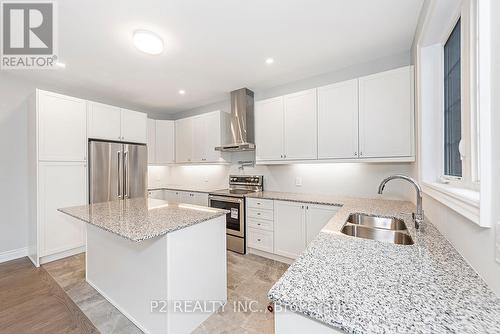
x: 163, y: 265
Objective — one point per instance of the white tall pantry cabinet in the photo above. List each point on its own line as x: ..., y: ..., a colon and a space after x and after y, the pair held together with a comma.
x: 58, y: 130
x: 57, y: 146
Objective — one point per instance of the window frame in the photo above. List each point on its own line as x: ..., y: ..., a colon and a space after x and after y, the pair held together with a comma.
x: 467, y: 14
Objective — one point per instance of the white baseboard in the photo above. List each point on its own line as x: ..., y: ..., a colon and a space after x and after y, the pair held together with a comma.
x: 13, y: 254
x: 61, y: 255
x: 271, y: 256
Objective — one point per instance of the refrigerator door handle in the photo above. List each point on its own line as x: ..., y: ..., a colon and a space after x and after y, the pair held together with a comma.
x: 126, y: 182
x: 119, y: 174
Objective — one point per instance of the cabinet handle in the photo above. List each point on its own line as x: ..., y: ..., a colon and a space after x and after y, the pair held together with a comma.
x: 258, y: 213
x: 258, y: 240
x: 360, y: 153
x: 258, y: 224
x: 307, y: 207
x: 355, y: 153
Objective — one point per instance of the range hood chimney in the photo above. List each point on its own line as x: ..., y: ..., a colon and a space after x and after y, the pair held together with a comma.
x: 242, y: 122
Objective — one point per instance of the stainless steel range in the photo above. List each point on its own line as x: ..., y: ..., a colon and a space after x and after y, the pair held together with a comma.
x: 233, y: 200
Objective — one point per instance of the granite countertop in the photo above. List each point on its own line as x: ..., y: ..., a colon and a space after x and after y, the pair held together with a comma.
x: 197, y: 189
x: 365, y: 286
x: 141, y: 218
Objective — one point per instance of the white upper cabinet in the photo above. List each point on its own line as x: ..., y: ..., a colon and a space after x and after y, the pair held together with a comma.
x: 366, y: 118
x: 300, y: 125
x: 62, y: 127
x: 338, y: 120
x: 134, y: 126
x: 196, y: 137
x: 151, y: 141
x: 184, y: 140
x: 165, y: 142
x: 269, y: 129
x: 213, y: 135
x: 104, y: 121
x: 386, y: 114
x: 113, y: 123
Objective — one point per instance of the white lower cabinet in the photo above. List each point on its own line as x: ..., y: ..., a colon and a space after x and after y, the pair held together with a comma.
x: 284, y: 228
x: 61, y: 185
x: 260, y: 239
x: 289, y: 229
x: 188, y: 197
x: 156, y: 194
x: 317, y: 216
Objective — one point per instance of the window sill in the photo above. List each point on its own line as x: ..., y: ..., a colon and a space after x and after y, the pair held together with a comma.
x: 463, y: 201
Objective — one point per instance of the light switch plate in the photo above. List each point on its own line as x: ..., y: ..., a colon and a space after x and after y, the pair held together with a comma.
x: 497, y: 242
x: 298, y: 181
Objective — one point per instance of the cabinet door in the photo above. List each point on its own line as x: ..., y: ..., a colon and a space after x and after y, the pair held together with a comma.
x: 269, y: 129
x: 200, y: 199
x: 185, y: 197
x: 156, y: 194
x: 165, y: 146
x: 134, y: 126
x: 317, y: 216
x: 289, y: 228
x: 104, y: 121
x: 338, y: 120
x: 61, y: 185
x: 62, y: 124
x: 199, y: 140
x: 151, y: 141
x: 301, y: 126
x: 212, y: 122
x: 386, y: 114
x: 183, y: 140
x: 171, y: 195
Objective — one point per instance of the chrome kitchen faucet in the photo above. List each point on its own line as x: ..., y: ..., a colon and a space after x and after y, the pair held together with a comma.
x: 418, y: 217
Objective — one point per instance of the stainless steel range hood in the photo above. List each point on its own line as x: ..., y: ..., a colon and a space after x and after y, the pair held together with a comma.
x: 242, y: 122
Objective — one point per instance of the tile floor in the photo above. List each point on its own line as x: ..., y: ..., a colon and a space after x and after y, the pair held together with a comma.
x: 249, y: 278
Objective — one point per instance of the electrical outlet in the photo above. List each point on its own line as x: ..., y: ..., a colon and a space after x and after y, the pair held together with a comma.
x: 497, y: 242
x: 298, y: 181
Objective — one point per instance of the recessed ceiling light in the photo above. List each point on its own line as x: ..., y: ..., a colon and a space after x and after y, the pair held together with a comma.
x: 182, y: 91
x: 269, y: 61
x: 148, y: 42
x: 61, y: 65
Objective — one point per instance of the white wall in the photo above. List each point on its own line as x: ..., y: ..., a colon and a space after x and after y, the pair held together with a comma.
x: 351, y: 72
x: 476, y: 244
x: 13, y: 164
x: 349, y: 179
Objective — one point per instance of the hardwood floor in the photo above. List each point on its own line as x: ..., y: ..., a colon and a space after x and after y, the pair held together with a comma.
x: 32, y: 302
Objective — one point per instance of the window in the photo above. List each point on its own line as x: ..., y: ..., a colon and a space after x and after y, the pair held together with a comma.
x: 452, y: 104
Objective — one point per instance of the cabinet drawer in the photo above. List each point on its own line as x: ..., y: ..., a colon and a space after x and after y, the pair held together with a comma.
x: 260, y: 224
x: 260, y: 203
x: 260, y: 214
x: 262, y: 240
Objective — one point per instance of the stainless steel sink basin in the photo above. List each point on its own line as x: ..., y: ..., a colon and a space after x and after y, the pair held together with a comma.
x: 387, y: 223
x: 395, y: 237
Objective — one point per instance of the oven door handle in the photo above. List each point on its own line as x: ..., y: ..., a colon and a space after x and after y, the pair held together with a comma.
x: 225, y: 199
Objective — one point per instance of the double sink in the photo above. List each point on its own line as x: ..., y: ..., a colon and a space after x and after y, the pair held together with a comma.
x: 386, y: 229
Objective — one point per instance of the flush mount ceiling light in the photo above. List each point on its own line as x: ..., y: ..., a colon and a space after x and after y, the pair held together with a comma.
x: 148, y: 42
x: 182, y: 92
x: 269, y: 61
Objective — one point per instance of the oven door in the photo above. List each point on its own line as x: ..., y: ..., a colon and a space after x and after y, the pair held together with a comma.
x: 235, y: 219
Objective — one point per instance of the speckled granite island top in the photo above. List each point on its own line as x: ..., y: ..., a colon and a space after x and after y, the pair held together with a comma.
x: 141, y: 218
x: 365, y: 286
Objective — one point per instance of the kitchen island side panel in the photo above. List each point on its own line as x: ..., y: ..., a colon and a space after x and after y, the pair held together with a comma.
x: 130, y: 275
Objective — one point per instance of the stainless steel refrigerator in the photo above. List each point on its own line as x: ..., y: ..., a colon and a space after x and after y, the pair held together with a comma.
x: 117, y: 171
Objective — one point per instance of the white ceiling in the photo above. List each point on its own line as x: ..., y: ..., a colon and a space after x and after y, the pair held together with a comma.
x: 213, y: 47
